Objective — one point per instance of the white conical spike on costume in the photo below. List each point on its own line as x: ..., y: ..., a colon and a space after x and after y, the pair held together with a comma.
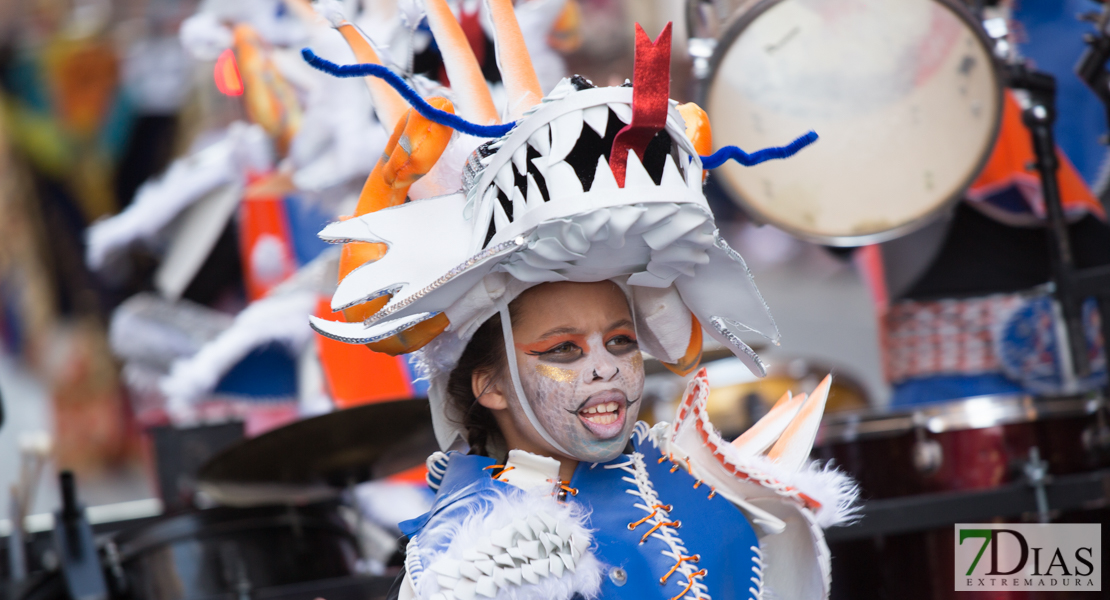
x: 793, y: 447
x: 565, y: 132
x: 765, y: 432
x: 597, y: 117
x: 603, y: 177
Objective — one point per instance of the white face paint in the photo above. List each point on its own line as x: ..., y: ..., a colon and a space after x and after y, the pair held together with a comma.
x: 582, y: 372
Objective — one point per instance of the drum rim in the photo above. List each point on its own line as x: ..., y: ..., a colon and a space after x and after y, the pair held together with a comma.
x: 1009, y: 409
x: 737, y: 24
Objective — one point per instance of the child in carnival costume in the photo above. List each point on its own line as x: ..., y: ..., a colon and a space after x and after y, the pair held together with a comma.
x: 539, y: 251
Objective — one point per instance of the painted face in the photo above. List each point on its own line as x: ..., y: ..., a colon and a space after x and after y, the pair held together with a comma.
x: 580, y: 367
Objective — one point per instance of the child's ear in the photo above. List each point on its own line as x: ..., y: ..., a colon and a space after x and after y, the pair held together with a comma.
x: 487, y: 389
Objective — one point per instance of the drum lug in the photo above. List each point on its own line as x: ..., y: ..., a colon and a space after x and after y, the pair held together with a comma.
x: 1036, y: 474
x: 928, y: 455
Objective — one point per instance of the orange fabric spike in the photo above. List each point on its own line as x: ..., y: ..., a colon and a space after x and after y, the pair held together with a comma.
x: 388, y: 185
x: 269, y: 99
x: 521, y: 83
x: 692, y: 358
x: 388, y: 104
x: 467, y: 81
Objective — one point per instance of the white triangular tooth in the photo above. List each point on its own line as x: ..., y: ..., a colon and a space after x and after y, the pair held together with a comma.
x: 537, y: 525
x: 565, y: 131
x: 485, y: 547
x: 603, y: 177
x: 547, y: 542
x: 473, y: 555
x: 520, y: 204
x: 624, y: 111
x: 671, y: 175
x: 562, y: 531
x: 469, y: 571
x: 502, y: 538
x: 568, y: 561
x: 486, y: 566
x: 635, y: 175
x: 500, y: 219
x: 517, y: 553
x: 597, y: 117
x: 506, y: 180
x: 504, y: 560
x: 580, y: 543
x: 499, y: 577
x: 535, y: 198
x: 542, y: 566
x: 563, y: 182
x: 513, y: 575
x: 521, y: 527
x: 520, y: 158
x: 532, y: 549
x: 575, y: 553
x: 446, y: 582
x: 557, y: 566
x: 466, y: 589
x: 528, y: 572
x: 448, y: 567
x: 541, y: 165
x: 541, y: 140
x: 486, y: 587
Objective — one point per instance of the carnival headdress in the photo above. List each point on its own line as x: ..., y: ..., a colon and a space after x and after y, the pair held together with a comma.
x: 584, y: 184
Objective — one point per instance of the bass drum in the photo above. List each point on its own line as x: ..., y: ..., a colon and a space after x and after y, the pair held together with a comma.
x: 973, y: 444
x: 906, y: 96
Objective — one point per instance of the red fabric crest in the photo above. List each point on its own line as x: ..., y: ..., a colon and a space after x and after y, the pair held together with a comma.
x: 651, y: 93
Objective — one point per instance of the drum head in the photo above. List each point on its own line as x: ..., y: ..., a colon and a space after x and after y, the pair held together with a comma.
x: 905, y: 95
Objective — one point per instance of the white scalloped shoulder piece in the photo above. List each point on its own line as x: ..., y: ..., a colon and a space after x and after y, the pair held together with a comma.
x: 511, y: 544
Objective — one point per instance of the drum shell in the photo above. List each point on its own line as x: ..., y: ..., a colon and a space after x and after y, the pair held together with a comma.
x: 974, y: 458
x: 878, y: 451
x: 235, y: 550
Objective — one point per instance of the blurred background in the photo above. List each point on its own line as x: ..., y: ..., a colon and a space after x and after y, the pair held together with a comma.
x: 165, y: 165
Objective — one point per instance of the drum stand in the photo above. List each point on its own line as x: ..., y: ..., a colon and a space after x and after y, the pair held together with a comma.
x: 1070, y: 285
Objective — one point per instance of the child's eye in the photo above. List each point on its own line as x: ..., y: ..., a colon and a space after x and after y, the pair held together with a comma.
x: 619, y: 344
x: 564, y: 352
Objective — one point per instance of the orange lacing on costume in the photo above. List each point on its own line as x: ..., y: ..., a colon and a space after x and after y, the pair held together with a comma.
x: 654, y: 528
x: 690, y: 582
x: 681, y: 559
x: 654, y: 509
x: 697, y: 484
x: 504, y: 469
x: 565, y: 487
x: 712, y: 492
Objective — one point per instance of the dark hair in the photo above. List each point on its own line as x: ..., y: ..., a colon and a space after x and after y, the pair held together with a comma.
x: 484, y: 352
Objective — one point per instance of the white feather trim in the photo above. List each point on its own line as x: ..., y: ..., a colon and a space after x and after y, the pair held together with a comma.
x: 494, y: 523
x: 204, y: 36
x: 279, y: 319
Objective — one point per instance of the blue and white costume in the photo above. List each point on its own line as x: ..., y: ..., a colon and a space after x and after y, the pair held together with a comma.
x: 644, y: 525
x: 587, y: 184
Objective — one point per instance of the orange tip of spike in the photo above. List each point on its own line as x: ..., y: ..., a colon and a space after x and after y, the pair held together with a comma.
x: 413, y: 338
x: 692, y: 358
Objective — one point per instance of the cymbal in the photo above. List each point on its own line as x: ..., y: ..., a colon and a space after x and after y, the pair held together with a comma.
x: 316, y: 458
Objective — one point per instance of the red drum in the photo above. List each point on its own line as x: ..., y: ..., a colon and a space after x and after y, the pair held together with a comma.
x: 972, y: 444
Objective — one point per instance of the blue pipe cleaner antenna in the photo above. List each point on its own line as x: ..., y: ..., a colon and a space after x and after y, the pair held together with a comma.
x: 719, y: 157
x: 426, y: 110
x: 458, y: 123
